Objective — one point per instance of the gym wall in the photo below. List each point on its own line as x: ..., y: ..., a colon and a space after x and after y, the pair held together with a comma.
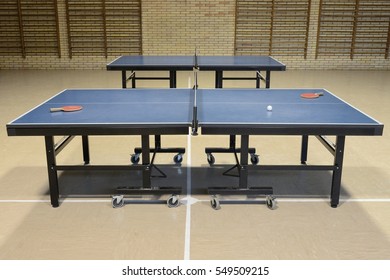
x: 304, y: 34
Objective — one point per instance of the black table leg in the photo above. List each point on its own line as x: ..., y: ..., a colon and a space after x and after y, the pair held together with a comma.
x: 218, y: 79
x: 146, y: 172
x: 52, y: 171
x: 268, y: 79
x: 124, y: 79
x: 133, y: 79
x: 304, y: 145
x: 172, y: 79
x: 258, y: 78
x: 85, y: 149
x: 338, y: 167
x: 243, y: 180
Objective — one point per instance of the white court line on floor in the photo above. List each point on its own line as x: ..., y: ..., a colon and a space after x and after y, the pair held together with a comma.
x: 187, y: 235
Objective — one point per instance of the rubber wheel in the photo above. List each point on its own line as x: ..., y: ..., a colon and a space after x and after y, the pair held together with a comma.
x: 134, y: 158
x: 271, y: 202
x: 117, y: 201
x: 254, y: 159
x: 215, y: 204
x: 210, y: 159
x: 173, y: 201
x: 178, y: 158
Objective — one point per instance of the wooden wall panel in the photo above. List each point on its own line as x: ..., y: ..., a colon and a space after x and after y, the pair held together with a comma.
x: 104, y: 27
x: 272, y: 27
x: 353, y: 27
x: 29, y: 28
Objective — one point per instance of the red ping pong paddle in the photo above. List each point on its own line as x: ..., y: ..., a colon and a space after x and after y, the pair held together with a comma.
x: 311, y: 95
x: 66, y: 108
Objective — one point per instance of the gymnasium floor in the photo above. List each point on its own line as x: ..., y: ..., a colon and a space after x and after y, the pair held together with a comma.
x: 303, y: 226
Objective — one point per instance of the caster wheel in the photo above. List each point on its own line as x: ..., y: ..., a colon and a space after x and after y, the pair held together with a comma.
x: 254, y: 159
x: 215, y: 204
x: 134, y: 158
x: 210, y: 159
x: 178, y: 158
x: 173, y: 201
x: 117, y: 201
x: 271, y: 202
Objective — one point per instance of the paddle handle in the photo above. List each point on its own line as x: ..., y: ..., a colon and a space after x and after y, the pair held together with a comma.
x: 55, y: 109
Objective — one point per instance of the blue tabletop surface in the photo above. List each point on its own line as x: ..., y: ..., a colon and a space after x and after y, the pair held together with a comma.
x: 244, y: 62
x: 153, y: 61
x: 231, y: 106
x: 235, y: 107
x: 187, y: 62
x: 116, y: 106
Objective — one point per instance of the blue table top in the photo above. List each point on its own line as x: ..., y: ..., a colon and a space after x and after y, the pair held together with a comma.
x: 249, y: 107
x: 234, y: 108
x: 188, y: 62
x: 114, y: 106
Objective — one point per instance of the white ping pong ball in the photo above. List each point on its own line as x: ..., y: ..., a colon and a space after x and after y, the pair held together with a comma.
x: 269, y: 108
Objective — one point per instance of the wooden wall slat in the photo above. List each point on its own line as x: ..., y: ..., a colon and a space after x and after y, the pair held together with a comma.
x: 104, y: 27
x: 353, y: 27
x: 29, y: 28
x: 272, y: 27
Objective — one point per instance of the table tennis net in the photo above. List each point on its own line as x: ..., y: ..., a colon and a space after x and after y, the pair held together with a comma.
x: 195, y: 104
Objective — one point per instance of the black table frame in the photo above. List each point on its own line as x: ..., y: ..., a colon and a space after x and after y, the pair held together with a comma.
x: 173, y: 69
x: 336, y: 149
x: 244, y: 131
x: 53, y: 148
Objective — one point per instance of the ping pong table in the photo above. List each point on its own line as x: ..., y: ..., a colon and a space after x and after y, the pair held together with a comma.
x: 218, y: 64
x: 146, y: 112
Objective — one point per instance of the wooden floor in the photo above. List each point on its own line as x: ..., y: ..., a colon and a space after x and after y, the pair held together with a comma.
x: 303, y: 226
